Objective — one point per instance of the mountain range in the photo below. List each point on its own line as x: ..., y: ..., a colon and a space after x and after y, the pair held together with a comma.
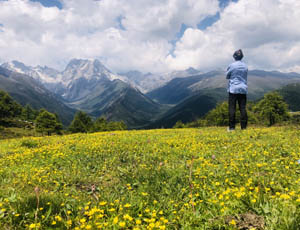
x: 26, y: 90
x: 89, y: 86
x: 149, y: 81
x: 140, y: 100
x: 259, y: 82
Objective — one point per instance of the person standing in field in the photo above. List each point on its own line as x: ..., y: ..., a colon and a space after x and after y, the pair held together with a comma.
x: 237, y: 88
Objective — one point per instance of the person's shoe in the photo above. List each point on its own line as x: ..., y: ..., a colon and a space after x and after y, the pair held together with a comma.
x: 230, y: 129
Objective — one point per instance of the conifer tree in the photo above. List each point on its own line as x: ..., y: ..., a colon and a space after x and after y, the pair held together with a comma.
x: 272, y: 108
x: 9, y: 109
x: 28, y: 113
x: 47, y: 122
x: 100, y: 125
x: 82, y: 123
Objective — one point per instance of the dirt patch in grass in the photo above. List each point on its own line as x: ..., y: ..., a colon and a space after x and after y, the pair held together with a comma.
x: 247, y: 221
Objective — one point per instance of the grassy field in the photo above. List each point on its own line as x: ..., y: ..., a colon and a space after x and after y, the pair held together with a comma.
x: 157, y: 179
x: 13, y: 132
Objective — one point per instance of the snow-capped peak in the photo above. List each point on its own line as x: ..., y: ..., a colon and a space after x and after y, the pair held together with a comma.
x: 88, y: 69
x: 16, y: 66
x: 42, y: 74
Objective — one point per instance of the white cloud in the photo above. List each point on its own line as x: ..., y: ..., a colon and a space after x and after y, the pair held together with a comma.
x: 268, y: 31
x: 163, y: 18
x: 136, y: 34
x: 86, y: 28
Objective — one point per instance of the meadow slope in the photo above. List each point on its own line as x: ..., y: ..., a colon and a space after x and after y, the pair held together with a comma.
x: 157, y: 179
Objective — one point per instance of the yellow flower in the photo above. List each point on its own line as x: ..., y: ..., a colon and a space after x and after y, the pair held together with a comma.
x: 103, y: 203
x: 138, y: 222
x: 127, y: 205
x: 100, y: 216
x: 285, y: 196
x: 83, y: 220
x: 32, y: 226
x: 53, y: 222
x: 122, y: 224
x: 116, y: 219
x: 58, y: 218
x: 151, y: 225
x: 232, y: 222
x: 127, y: 217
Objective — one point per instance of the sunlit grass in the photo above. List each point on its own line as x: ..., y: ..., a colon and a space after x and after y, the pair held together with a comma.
x: 157, y: 179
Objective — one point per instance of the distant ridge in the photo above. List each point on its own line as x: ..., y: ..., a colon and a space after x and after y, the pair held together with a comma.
x: 27, y: 90
x: 259, y: 83
x: 291, y: 95
x: 145, y: 99
x: 86, y: 84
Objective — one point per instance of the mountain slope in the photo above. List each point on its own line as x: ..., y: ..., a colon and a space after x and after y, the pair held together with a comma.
x: 88, y: 85
x: 148, y: 82
x: 82, y: 76
x: 44, y: 75
x: 187, y: 111
x: 259, y: 83
x: 26, y: 90
x: 291, y: 95
x: 134, y: 109
x: 116, y: 100
x: 91, y: 87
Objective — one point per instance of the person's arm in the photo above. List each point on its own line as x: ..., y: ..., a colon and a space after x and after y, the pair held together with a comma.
x: 228, y: 72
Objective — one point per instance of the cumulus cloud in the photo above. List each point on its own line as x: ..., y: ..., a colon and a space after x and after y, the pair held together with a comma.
x: 268, y: 31
x: 123, y: 34
x: 132, y: 34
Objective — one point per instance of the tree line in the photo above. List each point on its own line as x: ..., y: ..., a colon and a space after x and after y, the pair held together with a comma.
x: 270, y: 110
x: 12, y: 114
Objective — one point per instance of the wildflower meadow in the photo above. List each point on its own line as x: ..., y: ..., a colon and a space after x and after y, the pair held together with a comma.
x: 202, y: 178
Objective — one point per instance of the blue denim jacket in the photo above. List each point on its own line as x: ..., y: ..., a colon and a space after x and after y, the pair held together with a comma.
x: 237, y: 74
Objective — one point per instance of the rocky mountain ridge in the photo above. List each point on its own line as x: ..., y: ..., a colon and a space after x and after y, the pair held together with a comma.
x: 142, y: 99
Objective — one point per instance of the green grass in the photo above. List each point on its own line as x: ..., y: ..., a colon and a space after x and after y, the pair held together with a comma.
x: 157, y: 179
x: 14, y: 132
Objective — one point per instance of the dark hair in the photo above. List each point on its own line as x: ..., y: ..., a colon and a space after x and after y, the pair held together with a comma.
x: 238, y: 55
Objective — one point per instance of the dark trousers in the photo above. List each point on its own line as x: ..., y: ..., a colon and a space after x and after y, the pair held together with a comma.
x: 242, y: 100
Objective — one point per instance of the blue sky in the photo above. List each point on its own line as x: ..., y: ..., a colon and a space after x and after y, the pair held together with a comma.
x: 208, y: 21
x: 49, y: 3
x: 152, y: 35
